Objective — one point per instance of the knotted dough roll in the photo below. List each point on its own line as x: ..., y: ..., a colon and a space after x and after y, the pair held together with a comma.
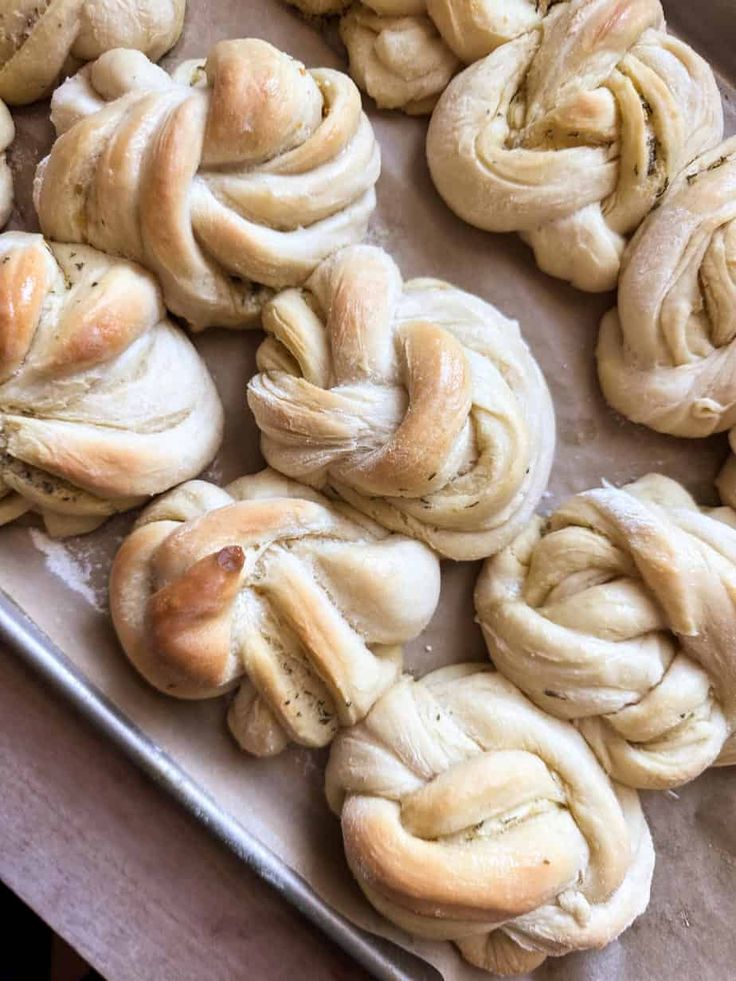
x: 417, y: 403
x: 667, y: 354
x: 268, y: 586
x: 41, y: 40
x: 619, y: 612
x: 403, y: 53
x: 571, y: 133
x: 469, y: 815
x: 7, y: 135
x: 233, y: 175
x: 103, y: 401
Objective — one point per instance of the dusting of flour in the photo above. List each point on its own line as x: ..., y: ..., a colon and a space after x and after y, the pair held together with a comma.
x: 74, y: 570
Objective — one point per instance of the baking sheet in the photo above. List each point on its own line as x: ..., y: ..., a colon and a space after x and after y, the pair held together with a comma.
x: 688, y: 930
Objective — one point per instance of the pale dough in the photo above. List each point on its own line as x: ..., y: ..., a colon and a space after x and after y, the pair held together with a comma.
x: 416, y: 402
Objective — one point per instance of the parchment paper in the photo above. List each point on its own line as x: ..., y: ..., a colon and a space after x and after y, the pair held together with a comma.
x: 688, y: 931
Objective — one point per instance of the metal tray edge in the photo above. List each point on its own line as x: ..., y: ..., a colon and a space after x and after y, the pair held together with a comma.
x: 22, y: 635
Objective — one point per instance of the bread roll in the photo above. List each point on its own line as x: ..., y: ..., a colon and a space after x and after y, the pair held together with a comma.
x: 417, y: 403
x: 571, y: 133
x: 103, y: 401
x: 470, y: 815
x: 667, y: 353
x: 267, y: 586
x: 234, y: 176
x: 619, y: 612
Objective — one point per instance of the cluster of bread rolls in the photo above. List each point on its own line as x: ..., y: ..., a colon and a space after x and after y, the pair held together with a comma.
x: 403, y: 422
x: 403, y: 53
x: 567, y: 127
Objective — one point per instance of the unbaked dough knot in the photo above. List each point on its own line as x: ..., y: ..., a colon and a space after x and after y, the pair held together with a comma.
x: 618, y: 612
x: 571, y: 133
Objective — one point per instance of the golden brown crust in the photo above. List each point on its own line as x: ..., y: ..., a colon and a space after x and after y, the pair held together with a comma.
x: 264, y: 585
x: 191, y: 617
x: 258, y: 111
x: 236, y: 175
x: 24, y: 282
x: 102, y: 321
x: 417, y: 403
x: 102, y: 400
x: 618, y: 612
x: 469, y: 815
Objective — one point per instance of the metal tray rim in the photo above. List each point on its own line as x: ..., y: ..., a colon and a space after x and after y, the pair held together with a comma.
x: 21, y: 634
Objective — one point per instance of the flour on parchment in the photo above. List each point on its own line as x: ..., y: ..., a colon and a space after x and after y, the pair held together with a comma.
x: 72, y: 566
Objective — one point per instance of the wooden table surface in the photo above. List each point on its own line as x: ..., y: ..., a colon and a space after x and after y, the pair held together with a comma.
x: 121, y: 871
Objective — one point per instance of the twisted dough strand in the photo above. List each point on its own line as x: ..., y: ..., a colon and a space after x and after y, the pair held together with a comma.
x: 619, y: 612
x: 234, y: 175
x: 268, y: 586
x: 571, y: 133
x: 40, y: 40
x: 7, y: 135
x: 417, y: 403
x: 469, y: 815
x: 103, y: 401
